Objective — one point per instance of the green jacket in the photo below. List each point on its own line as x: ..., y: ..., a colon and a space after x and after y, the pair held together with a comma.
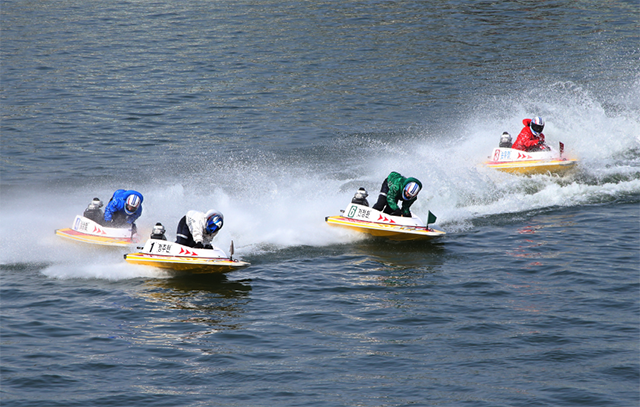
x: 396, y: 184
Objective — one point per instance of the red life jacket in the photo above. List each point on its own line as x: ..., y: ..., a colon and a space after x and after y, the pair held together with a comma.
x: 526, y: 139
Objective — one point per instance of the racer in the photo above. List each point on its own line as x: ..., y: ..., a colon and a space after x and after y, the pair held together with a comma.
x: 197, y: 229
x: 124, y: 207
x: 398, y: 188
x: 531, y: 137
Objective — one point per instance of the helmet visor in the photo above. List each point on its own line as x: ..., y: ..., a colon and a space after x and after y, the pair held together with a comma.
x: 130, y: 208
x: 537, y: 127
x: 213, y: 224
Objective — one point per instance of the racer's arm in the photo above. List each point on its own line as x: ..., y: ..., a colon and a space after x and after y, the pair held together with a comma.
x: 196, y: 226
x: 542, y: 144
x: 405, y: 207
x: 110, y: 209
x: 135, y: 216
x: 392, y: 197
x: 533, y: 142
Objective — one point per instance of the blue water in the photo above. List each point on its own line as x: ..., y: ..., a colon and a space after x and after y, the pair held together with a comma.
x: 275, y: 113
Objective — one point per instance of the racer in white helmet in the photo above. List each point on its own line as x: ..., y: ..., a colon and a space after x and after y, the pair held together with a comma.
x: 124, y: 208
x: 531, y: 137
x: 397, y: 188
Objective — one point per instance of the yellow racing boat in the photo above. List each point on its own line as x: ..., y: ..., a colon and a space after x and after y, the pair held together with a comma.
x: 365, y: 219
x: 87, y: 231
x: 529, y: 163
x: 176, y: 257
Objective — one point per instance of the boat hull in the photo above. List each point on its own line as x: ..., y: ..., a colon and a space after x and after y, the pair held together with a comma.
x: 87, y: 231
x: 185, y: 264
x: 176, y: 257
x: 364, y: 219
x: 559, y: 167
x: 530, y: 163
x: 393, y: 232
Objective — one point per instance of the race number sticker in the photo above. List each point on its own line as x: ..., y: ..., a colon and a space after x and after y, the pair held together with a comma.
x: 352, y: 211
x: 364, y: 213
x: 160, y: 248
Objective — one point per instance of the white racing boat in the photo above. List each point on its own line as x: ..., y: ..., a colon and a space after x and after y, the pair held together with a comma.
x: 87, y: 231
x: 365, y: 219
x: 528, y: 163
x: 177, y: 257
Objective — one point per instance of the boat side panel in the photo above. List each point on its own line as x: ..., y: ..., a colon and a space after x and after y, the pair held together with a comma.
x: 393, y: 232
x: 99, y: 240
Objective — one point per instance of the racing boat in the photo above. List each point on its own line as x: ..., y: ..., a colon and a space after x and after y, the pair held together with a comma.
x: 528, y: 163
x: 87, y: 231
x: 176, y: 257
x: 365, y: 219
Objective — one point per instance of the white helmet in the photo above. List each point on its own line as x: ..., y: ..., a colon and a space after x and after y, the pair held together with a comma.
x: 132, y: 204
x: 410, y: 191
x: 536, y: 125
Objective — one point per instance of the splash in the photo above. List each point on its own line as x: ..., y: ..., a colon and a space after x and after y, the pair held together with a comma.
x: 276, y: 200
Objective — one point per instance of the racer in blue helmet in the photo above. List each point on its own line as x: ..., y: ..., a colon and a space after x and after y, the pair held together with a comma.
x: 214, y: 223
x: 197, y: 229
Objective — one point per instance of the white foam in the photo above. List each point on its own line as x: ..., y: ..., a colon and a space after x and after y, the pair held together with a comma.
x: 271, y: 203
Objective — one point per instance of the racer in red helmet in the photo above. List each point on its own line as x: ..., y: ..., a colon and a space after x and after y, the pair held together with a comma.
x: 531, y: 137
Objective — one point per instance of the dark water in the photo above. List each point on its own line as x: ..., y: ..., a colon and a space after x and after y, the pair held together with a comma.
x: 275, y: 113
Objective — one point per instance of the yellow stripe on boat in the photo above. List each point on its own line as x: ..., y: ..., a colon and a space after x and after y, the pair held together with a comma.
x: 534, y: 167
x: 93, y: 239
x: 190, y: 264
x: 393, y: 232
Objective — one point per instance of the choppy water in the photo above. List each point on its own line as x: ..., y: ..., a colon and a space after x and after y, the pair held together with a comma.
x: 274, y: 113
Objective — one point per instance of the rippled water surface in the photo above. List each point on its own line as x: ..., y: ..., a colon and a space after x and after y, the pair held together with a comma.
x: 275, y: 113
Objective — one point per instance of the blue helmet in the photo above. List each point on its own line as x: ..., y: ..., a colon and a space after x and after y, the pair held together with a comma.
x: 410, y: 191
x: 132, y: 204
x: 214, y: 222
x: 536, y: 125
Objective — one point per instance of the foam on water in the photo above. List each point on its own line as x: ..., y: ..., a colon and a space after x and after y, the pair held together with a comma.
x: 272, y: 202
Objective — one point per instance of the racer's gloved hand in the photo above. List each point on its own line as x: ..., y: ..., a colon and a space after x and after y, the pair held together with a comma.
x: 397, y: 212
x: 208, y: 246
x: 541, y: 145
x: 407, y: 215
x: 198, y: 245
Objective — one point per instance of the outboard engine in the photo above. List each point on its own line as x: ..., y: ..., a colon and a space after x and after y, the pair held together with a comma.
x: 158, y: 232
x: 505, y: 140
x: 94, y: 212
x: 360, y: 197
